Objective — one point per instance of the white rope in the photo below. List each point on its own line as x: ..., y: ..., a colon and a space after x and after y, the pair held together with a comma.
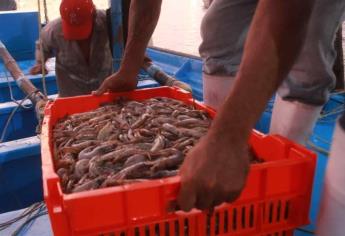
x: 10, y: 117
x: 41, y: 50
x: 45, y: 11
x: 11, y: 93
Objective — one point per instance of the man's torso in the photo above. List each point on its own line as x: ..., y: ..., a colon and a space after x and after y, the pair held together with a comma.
x: 75, y: 74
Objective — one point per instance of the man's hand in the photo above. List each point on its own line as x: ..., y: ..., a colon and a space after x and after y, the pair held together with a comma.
x: 142, y: 20
x: 39, y: 109
x: 213, y: 172
x: 37, y: 69
x: 116, y: 83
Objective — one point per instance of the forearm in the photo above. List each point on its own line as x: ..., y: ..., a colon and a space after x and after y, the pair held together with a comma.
x: 274, y: 41
x: 40, y: 55
x: 143, y: 18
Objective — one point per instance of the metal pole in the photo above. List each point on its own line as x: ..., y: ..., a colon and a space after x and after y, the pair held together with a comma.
x: 117, y: 33
x: 22, y: 81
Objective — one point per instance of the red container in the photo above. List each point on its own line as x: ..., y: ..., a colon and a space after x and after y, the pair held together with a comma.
x: 275, y: 200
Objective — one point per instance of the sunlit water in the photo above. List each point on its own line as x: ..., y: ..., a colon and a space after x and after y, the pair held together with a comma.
x: 179, y: 25
x: 178, y: 28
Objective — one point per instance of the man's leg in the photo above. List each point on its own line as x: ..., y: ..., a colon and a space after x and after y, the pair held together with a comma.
x: 332, y: 213
x: 305, y: 91
x: 293, y: 120
x: 216, y: 88
x: 223, y: 30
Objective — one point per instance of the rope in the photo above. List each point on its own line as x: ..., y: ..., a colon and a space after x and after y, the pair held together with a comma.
x: 45, y: 11
x: 41, y: 50
x: 41, y: 211
x: 318, y: 137
x: 11, y: 93
x: 317, y: 148
x: 4, y: 131
x: 24, y: 214
x: 31, y: 213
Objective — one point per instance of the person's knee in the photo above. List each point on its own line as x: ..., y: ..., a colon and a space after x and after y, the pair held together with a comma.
x: 307, y: 87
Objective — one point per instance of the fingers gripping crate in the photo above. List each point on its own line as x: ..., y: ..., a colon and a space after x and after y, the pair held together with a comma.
x: 275, y: 200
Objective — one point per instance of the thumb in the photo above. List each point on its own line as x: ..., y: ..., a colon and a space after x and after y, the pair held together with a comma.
x: 33, y: 70
x: 102, y: 89
x: 186, y: 198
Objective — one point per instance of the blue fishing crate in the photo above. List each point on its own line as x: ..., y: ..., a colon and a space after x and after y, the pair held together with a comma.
x: 20, y: 174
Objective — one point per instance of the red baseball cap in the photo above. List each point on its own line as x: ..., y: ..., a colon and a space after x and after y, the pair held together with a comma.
x: 77, y: 18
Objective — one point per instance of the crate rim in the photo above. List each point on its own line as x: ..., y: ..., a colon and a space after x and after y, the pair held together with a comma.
x: 48, y: 165
x: 51, y: 183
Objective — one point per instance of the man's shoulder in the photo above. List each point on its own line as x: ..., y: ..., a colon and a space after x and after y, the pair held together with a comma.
x: 54, y: 26
x: 101, y: 20
x: 101, y: 14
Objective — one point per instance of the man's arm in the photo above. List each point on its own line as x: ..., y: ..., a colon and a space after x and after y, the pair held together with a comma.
x: 46, y: 41
x: 143, y: 18
x: 215, y: 170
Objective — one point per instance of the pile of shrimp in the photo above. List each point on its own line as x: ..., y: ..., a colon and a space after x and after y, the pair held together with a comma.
x: 125, y: 141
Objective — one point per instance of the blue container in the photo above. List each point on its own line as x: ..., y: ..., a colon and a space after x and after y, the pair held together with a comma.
x: 19, y: 32
x: 20, y: 174
x: 19, y: 37
x: 8, y: 86
x: 22, y: 124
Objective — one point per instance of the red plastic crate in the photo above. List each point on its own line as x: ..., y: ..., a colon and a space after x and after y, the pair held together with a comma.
x: 276, y: 198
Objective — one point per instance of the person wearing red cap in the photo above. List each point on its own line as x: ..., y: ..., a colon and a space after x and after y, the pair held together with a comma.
x: 80, y: 42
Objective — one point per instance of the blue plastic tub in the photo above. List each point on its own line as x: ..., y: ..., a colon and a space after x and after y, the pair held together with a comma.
x: 20, y: 174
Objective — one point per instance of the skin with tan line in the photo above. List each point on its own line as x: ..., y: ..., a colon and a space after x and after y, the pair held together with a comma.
x: 143, y: 18
x: 215, y: 170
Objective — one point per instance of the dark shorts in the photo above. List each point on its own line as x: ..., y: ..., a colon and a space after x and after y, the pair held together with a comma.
x: 224, y: 30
